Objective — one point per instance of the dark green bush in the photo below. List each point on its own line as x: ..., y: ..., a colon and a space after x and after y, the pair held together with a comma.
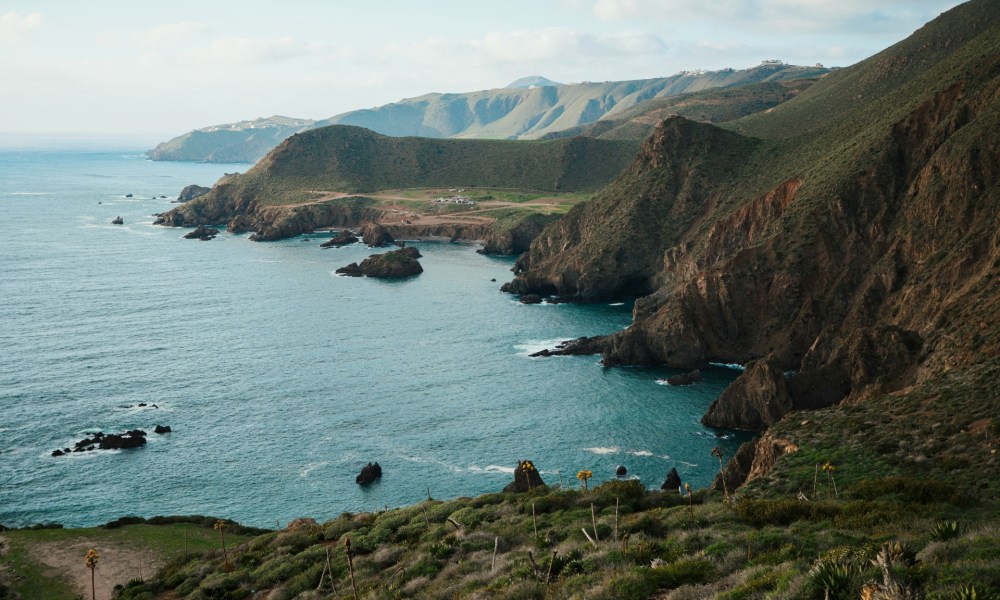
x: 908, y: 489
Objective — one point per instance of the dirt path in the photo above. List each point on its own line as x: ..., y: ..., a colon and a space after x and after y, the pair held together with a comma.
x: 118, y: 563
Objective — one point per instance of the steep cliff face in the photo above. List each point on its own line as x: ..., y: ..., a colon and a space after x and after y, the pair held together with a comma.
x: 859, y: 247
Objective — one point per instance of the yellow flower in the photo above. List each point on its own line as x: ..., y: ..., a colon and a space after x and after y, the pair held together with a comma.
x: 91, y: 558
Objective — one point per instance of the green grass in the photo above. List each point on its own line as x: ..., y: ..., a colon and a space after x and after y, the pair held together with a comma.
x: 37, y: 581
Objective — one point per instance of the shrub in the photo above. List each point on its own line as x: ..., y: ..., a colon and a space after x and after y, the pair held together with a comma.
x: 783, y: 512
x: 945, y: 531
x: 908, y: 489
x: 832, y: 578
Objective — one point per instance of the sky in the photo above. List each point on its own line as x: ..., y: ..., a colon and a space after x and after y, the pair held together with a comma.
x: 160, y: 69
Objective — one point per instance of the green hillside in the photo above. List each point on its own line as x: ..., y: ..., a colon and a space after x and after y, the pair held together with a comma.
x: 709, y: 106
x: 246, y: 141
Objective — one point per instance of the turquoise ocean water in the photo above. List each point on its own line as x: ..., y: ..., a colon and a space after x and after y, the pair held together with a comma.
x: 280, y: 379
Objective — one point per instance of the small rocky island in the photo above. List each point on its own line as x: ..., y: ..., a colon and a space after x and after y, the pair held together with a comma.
x: 397, y: 263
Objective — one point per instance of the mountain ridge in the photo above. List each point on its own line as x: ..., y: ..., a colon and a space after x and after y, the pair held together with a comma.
x: 501, y: 113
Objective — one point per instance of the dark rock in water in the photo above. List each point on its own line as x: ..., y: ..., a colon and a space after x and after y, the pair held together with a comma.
x: 526, y: 477
x: 396, y: 263
x: 531, y: 299
x: 112, y: 441
x: 621, y: 471
x: 344, y: 238
x: 162, y: 429
x: 162, y: 196
x: 673, y: 481
x: 191, y: 192
x: 128, y: 195
x: 117, y: 221
x: 202, y: 233
x: 376, y: 235
x: 685, y: 378
x: 57, y: 453
x: 369, y: 474
x: 494, y: 280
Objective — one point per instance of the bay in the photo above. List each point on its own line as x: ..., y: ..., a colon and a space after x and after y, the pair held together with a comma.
x: 281, y: 379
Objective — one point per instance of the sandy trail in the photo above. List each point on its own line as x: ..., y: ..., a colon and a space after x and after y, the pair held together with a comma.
x: 118, y: 563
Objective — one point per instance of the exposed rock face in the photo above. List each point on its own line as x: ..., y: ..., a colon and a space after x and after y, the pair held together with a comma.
x: 161, y: 429
x: 757, y: 399
x: 191, y: 192
x: 531, y: 299
x: 673, y: 481
x: 202, y: 233
x: 516, y: 239
x: 864, y: 269
x: 369, y: 474
x: 621, y: 471
x: 752, y: 460
x: 376, y: 236
x: 396, y: 263
x: 526, y: 477
x: 117, y: 221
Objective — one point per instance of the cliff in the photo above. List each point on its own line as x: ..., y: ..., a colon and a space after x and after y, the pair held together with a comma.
x: 849, y: 234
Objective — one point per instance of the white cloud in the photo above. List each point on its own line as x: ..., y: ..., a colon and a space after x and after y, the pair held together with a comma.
x: 172, y: 33
x: 852, y: 16
x: 14, y: 25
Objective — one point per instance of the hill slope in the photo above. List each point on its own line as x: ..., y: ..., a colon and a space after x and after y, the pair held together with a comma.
x: 289, y: 184
x: 849, y: 234
x: 522, y: 110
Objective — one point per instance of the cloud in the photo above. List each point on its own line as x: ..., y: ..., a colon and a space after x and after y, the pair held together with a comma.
x: 854, y: 16
x: 14, y: 25
x: 172, y: 33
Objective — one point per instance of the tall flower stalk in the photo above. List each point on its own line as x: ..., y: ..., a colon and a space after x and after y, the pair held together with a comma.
x: 91, y: 561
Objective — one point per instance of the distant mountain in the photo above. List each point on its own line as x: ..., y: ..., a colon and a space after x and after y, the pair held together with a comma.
x: 244, y: 141
x: 530, y: 82
x: 514, y: 112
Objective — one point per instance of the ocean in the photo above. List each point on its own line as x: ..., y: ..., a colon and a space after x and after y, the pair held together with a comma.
x: 279, y: 379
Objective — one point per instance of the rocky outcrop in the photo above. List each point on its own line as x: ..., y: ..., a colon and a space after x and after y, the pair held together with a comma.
x: 369, y: 474
x: 531, y: 299
x: 621, y: 471
x: 753, y: 460
x: 673, y: 481
x: 340, y: 238
x: 579, y: 347
x: 756, y: 400
x: 135, y: 438
x: 191, y: 192
x: 526, y: 478
x: 376, y: 236
x: 393, y: 264
x: 161, y: 429
x: 117, y: 221
x: 515, y: 239
x: 202, y: 233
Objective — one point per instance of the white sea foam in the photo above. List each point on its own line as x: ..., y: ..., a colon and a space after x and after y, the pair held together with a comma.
x: 733, y: 366
x: 603, y: 450
x: 641, y: 453
x: 687, y: 464
x: 491, y: 469
x: 617, y: 304
x: 311, y: 467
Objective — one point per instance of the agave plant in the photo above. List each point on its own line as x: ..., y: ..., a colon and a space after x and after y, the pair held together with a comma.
x: 966, y: 592
x: 945, y: 531
x: 833, y: 577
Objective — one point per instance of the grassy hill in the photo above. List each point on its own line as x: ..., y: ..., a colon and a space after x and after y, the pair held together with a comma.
x: 708, y: 106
